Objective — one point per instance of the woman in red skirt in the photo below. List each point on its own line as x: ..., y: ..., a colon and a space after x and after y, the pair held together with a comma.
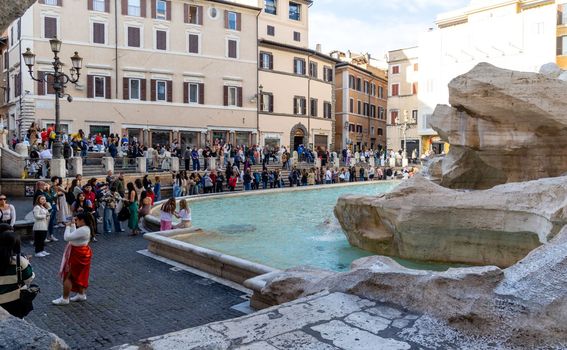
x: 76, y: 262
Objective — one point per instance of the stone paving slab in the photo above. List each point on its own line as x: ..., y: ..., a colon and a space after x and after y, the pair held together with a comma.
x: 130, y: 296
x: 321, y: 322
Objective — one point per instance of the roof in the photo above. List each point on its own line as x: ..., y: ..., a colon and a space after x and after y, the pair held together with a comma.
x: 299, y: 49
x: 350, y: 65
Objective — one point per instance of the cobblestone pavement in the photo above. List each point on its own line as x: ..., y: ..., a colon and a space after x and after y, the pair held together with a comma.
x: 130, y: 296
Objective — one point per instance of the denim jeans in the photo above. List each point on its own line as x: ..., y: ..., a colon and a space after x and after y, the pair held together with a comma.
x: 196, y: 164
x: 110, y: 217
x: 247, y: 187
x: 52, y: 220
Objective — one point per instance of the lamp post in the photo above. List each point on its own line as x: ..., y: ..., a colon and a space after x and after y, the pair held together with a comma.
x: 60, y: 80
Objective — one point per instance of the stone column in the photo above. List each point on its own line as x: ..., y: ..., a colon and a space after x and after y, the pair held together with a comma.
x: 108, y: 163
x: 174, y: 164
x: 76, y: 166
x: 57, y: 168
x: 141, y: 165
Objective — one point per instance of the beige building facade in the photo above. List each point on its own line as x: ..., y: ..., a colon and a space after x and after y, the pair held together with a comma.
x: 156, y: 70
x: 403, y: 102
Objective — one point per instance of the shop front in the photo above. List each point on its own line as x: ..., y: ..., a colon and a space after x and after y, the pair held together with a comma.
x: 189, y: 139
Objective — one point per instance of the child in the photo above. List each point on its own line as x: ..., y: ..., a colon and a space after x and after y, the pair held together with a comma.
x: 232, y: 182
x: 184, y: 214
x: 166, y: 216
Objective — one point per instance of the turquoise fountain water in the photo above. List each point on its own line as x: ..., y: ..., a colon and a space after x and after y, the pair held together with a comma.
x: 283, y: 230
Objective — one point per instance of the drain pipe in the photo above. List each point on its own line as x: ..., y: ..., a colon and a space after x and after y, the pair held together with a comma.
x: 116, y: 48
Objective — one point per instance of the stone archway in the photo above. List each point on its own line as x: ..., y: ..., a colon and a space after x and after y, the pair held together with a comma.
x: 298, y: 136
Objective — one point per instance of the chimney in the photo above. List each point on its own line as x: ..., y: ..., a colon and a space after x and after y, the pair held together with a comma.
x: 318, y: 48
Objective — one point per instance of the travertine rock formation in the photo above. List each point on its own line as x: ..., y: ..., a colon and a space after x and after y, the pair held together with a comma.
x: 524, y: 305
x: 424, y: 221
x: 503, y: 126
x: 10, y: 10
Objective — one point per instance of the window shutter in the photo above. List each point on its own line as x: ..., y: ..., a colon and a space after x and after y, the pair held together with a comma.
x: 41, y: 1
x: 185, y: 92
x: 143, y: 8
x: 271, y: 105
x: 153, y: 90
x: 143, y: 89
x: 90, y: 5
x: 303, y: 106
x: 124, y: 7
x: 153, y: 11
x: 303, y: 67
x: 170, y: 91
x: 186, y: 13
x: 239, y: 97
x: 59, y: 2
x: 168, y: 10
x: 271, y: 61
x: 226, y: 19
x: 295, y: 110
x: 98, y: 33
x: 107, y: 6
x: 261, y: 60
x: 161, y: 40
x: 232, y: 51
x: 41, y: 84
x: 225, y: 97
x: 201, y: 93
x: 108, y: 87
x: 90, y: 82
x: 50, y: 27
x: 200, y: 15
x: 238, y: 21
x: 193, y: 43
x: 126, y: 88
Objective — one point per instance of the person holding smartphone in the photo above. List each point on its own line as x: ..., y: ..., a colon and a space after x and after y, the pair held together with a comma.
x: 41, y: 214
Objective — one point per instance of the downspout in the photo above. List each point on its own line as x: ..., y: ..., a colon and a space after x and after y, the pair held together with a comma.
x: 308, y: 102
x: 116, y: 48
x: 258, y: 79
x: 19, y: 121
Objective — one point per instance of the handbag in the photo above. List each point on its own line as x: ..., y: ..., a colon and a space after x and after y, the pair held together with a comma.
x: 124, y: 213
x: 27, y: 295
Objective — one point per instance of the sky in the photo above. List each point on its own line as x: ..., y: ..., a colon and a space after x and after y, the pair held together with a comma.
x: 373, y: 26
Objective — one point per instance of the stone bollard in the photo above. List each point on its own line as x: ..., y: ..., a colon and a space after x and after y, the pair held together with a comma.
x: 57, y: 168
x: 108, y: 164
x: 174, y: 164
x: 141, y: 165
x: 75, y: 166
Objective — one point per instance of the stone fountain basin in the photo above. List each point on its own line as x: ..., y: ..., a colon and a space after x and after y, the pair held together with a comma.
x: 424, y: 221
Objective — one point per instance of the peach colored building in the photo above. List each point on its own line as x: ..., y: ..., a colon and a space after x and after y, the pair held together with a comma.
x: 158, y: 70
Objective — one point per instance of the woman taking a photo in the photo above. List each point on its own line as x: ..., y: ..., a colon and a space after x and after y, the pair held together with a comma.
x: 76, y: 262
x: 7, y: 212
x: 41, y: 222
x: 81, y: 205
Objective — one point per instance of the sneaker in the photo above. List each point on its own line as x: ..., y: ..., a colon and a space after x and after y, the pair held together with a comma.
x: 40, y: 255
x: 47, y: 240
x: 60, y: 301
x: 45, y: 253
x: 94, y: 239
x: 53, y: 239
x: 78, y: 297
x: 99, y: 220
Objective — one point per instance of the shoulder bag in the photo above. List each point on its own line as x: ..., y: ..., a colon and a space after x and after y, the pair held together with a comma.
x: 27, y: 295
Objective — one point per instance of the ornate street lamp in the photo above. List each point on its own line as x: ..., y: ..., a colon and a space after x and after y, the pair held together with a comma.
x: 60, y: 80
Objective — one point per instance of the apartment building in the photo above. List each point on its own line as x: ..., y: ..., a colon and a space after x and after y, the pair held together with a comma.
x: 513, y: 34
x: 297, y: 90
x: 403, y: 104
x: 361, y: 103
x: 157, y: 70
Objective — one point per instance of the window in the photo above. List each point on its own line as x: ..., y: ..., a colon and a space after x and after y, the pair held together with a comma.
x: 372, y: 130
x: 161, y: 90
x: 194, y: 14
x: 351, y: 128
x: 134, y: 8
x: 351, y: 82
x: 98, y: 33
x: 232, y: 95
x: 313, y: 69
x: 366, y: 87
x: 562, y: 46
x: 99, y: 5
x: 51, y: 2
x: 328, y: 74
x: 359, y: 129
x: 414, y: 116
x: 161, y: 40
x: 380, y: 132
x: 232, y: 48
x: 161, y: 9
x: 380, y: 112
x: 359, y: 105
x: 313, y: 107
x: 99, y: 87
x: 327, y: 110
x: 299, y: 106
x: 380, y: 92
x: 358, y: 84
x: 271, y: 30
x: 135, y: 87
x: 232, y: 20
x: 299, y: 66
x: 193, y: 93
x: 395, y: 89
x: 296, y: 36
x: 351, y: 106
x: 414, y: 88
x: 50, y: 27
x: 267, y: 103
x: 17, y: 85
x: 396, y: 70
x: 393, y: 117
x: 270, y: 6
x: 294, y: 11
x: 266, y: 60
x: 365, y: 109
x: 194, y: 43
x: 373, y: 111
x: 133, y: 37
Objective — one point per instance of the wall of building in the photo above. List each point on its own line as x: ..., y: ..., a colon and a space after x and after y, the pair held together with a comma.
x: 284, y: 27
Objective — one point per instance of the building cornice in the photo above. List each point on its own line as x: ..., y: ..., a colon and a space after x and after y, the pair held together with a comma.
x: 362, y: 70
x: 235, y: 4
x: 291, y: 48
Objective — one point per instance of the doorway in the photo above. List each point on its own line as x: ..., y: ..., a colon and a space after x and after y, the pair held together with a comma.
x: 298, y: 138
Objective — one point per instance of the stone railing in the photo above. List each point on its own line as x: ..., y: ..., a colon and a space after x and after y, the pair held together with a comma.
x: 12, y: 164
